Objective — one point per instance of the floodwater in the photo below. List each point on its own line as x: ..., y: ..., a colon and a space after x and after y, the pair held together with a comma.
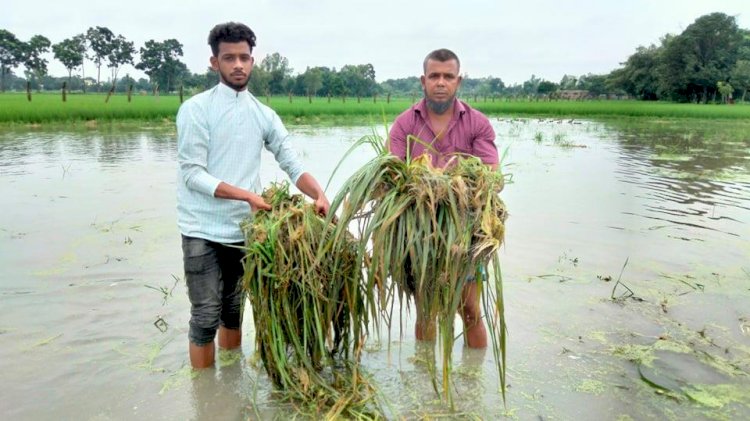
x: 626, y: 274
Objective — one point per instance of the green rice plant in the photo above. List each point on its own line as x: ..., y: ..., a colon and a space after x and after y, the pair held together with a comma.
x: 426, y: 230
x: 48, y: 107
x: 306, y: 309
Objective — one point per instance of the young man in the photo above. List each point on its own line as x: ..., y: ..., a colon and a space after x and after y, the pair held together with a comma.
x: 220, y: 134
x: 449, y: 127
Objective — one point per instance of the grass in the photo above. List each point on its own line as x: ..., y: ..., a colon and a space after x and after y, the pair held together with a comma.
x: 48, y: 108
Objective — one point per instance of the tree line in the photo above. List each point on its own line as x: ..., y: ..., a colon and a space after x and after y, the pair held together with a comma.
x: 708, y: 61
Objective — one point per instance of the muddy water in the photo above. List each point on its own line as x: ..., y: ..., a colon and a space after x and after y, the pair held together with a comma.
x: 626, y: 267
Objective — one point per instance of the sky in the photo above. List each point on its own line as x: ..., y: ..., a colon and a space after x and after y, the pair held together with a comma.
x: 507, y: 39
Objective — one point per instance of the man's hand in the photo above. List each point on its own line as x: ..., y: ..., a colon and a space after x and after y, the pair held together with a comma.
x: 321, y: 205
x: 309, y: 186
x: 257, y: 203
x: 228, y: 191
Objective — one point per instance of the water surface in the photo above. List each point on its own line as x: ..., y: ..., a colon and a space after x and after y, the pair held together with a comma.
x: 626, y: 243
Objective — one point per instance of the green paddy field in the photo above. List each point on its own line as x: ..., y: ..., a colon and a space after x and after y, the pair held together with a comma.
x: 49, y: 108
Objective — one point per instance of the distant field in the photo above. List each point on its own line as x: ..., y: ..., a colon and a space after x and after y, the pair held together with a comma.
x: 49, y: 108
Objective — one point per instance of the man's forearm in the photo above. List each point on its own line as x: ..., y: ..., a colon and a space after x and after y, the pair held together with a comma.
x: 228, y: 191
x: 309, y: 186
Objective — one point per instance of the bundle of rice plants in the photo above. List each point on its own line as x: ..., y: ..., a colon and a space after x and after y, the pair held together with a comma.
x: 428, y: 230
x: 305, y: 307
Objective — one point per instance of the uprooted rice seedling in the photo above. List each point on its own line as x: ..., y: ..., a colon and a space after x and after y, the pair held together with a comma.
x: 307, y: 310
x: 428, y: 230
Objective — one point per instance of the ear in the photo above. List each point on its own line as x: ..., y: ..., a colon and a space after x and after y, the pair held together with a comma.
x: 214, y: 63
x: 422, y: 80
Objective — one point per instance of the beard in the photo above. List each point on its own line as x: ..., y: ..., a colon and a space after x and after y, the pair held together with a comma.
x: 439, y: 107
x: 226, y: 79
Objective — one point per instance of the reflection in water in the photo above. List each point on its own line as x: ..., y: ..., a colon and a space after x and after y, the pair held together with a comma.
x: 110, y: 147
x: 215, y: 394
x: 697, y: 180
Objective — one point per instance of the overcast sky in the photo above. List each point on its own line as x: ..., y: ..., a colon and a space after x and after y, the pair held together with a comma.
x: 507, y: 39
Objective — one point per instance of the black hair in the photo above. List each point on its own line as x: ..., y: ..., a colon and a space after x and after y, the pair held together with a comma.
x: 230, y: 32
x: 441, y: 55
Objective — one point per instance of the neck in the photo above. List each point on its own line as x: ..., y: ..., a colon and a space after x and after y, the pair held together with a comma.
x: 234, y: 87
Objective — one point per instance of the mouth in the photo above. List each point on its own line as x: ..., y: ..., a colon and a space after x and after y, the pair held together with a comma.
x: 238, y: 75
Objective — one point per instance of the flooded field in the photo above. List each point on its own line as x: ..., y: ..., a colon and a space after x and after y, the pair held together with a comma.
x: 626, y: 271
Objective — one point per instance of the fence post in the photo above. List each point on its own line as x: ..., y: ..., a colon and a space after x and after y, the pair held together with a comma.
x: 64, y: 97
x: 109, y: 93
x: 28, y: 90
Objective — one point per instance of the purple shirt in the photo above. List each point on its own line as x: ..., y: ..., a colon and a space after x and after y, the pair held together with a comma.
x: 468, y: 132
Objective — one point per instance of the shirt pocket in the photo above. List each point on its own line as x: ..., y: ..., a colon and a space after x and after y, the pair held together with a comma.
x: 464, y: 145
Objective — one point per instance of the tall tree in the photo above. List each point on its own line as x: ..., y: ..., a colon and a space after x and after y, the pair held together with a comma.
x: 740, y: 76
x: 546, y: 87
x: 277, y: 67
x: 358, y: 79
x: 160, y: 61
x: 312, y: 80
x: 495, y: 85
x: 100, y: 41
x: 259, y: 81
x: 70, y: 52
x: 568, y: 82
x: 11, y: 54
x: 121, y: 52
x: 704, y: 54
x: 36, y: 66
x: 531, y: 85
x: 639, y: 75
x: 595, y: 84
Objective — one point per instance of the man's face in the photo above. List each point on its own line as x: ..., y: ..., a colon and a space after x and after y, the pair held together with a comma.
x: 440, y: 83
x: 234, y: 64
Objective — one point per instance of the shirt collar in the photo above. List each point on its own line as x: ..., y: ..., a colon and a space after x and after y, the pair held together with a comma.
x: 230, y: 93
